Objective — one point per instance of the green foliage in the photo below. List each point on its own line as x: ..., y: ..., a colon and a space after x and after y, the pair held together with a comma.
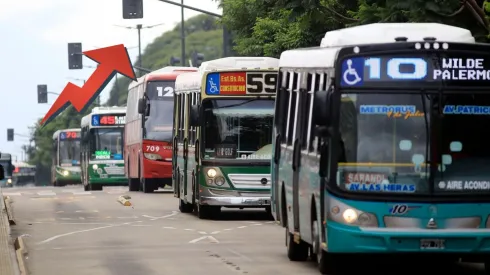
x: 268, y: 27
x: 203, y: 35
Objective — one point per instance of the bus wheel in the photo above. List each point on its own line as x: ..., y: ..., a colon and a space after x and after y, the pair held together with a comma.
x: 323, y: 259
x: 207, y: 211
x: 487, y: 267
x: 95, y: 187
x: 133, y: 184
x: 268, y: 210
x: 86, y: 188
x: 148, y: 185
x: 185, y: 207
x: 296, y: 252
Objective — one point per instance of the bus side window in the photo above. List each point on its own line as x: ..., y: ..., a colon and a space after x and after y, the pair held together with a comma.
x: 179, y: 119
x: 192, y: 128
x: 188, y: 98
x: 291, y: 122
x: 306, y: 109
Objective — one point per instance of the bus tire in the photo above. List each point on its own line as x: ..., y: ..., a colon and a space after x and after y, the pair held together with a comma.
x: 133, y: 184
x: 148, y: 186
x: 86, y: 188
x: 95, y: 187
x: 487, y: 267
x: 185, y: 207
x: 207, y: 211
x: 296, y: 252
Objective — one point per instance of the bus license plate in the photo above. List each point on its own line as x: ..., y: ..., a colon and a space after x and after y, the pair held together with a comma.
x: 104, y: 176
x: 432, y: 244
x: 261, y: 201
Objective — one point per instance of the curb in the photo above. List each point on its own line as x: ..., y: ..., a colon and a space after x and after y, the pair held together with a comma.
x: 124, y: 200
x: 21, y: 253
x: 8, y: 207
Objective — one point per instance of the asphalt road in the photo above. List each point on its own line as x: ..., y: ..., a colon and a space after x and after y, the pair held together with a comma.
x: 69, y: 231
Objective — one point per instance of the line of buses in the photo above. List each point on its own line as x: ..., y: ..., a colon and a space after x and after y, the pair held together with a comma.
x: 373, y: 143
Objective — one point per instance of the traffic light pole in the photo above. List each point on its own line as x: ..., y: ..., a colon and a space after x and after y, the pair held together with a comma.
x: 225, y: 31
x: 182, y: 34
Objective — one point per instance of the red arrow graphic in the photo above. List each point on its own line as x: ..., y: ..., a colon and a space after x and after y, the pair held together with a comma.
x: 111, y: 60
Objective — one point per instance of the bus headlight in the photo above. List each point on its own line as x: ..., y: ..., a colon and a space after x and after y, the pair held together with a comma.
x: 349, y: 215
x: 95, y: 166
x: 211, y: 173
x: 219, y: 181
x: 9, y: 181
x: 345, y: 214
x: 152, y: 156
x: 66, y: 173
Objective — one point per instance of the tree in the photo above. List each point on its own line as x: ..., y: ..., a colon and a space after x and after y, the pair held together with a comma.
x: 268, y: 27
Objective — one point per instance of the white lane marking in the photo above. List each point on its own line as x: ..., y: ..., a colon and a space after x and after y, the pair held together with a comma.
x: 81, y: 218
x: 242, y: 227
x: 87, y: 211
x: 12, y: 194
x: 270, y: 222
x: 228, y: 229
x: 215, y: 232
x: 210, y: 238
x: 83, y: 231
x: 188, y: 229
x: 168, y: 227
x: 202, y: 232
x: 70, y: 190
x: 85, y: 223
x: 141, y: 225
x: 82, y: 193
x: 46, y: 193
x: 132, y: 217
x: 67, y: 219
x: 57, y: 212
x: 162, y: 217
x: 257, y: 224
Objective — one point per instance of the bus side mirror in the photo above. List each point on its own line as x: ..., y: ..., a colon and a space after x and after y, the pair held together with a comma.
x: 321, y: 108
x: 2, y: 173
x: 141, y: 106
x: 194, y: 117
x: 13, y: 168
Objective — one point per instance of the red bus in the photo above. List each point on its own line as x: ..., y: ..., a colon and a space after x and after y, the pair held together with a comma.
x: 148, y: 129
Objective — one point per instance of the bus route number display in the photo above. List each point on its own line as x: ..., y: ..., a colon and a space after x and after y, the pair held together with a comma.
x: 226, y: 151
x: 241, y: 83
x: 69, y: 135
x: 108, y: 120
x: 376, y: 71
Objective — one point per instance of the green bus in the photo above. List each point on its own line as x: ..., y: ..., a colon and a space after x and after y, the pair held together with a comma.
x: 223, y: 118
x: 8, y: 169
x: 65, y: 167
x: 102, y: 161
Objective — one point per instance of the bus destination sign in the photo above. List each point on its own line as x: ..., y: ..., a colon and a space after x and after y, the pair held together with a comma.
x: 108, y: 120
x: 69, y: 135
x: 417, y: 70
x: 241, y: 83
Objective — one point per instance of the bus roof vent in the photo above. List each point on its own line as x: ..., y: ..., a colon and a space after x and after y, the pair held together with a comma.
x: 239, y: 63
x: 401, y: 39
x: 430, y: 39
x: 387, y: 32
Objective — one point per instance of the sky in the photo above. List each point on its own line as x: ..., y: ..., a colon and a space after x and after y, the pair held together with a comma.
x: 35, y: 50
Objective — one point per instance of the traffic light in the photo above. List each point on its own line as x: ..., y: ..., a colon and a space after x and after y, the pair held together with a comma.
x: 197, y: 59
x: 10, y: 134
x: 174, y: 61
x: 75, y: 56
x: 42, y: 93
x: 132, y: 9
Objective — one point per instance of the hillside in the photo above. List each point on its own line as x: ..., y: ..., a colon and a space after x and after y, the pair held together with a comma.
x: 202, y: 35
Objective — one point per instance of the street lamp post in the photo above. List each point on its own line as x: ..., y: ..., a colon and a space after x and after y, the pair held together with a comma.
x: 139, y: 27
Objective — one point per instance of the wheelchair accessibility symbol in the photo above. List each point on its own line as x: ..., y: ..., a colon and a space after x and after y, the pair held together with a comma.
x: 351, y: 72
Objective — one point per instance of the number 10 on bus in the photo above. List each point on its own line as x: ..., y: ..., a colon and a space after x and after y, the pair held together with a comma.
x: 415, y: 68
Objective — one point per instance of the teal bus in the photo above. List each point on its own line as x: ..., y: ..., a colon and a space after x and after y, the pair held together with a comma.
x: 222, y: 135
x: 102, y: 162
x: 65, y: 167
x: 380, y: 145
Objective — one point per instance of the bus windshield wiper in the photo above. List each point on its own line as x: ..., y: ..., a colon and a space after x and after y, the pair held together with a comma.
x: 427, y: 137
x: 238, y: 104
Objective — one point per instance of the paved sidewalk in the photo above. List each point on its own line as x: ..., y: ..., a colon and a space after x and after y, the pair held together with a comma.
x: 7, y: 258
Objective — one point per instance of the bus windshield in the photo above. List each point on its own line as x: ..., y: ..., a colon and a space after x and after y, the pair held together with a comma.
x: 238, y: 128
x: 158, y: 125
x: 69, y: 152
x: 107, y: 144
x: 384, y: 144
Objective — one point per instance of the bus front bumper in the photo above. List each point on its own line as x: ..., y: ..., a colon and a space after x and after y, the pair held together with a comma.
x: 234, y: 198
x: 348, y: 239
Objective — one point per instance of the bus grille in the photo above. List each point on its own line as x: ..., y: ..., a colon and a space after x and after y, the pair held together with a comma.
x: 250, y: 181
x: 114, y: 170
